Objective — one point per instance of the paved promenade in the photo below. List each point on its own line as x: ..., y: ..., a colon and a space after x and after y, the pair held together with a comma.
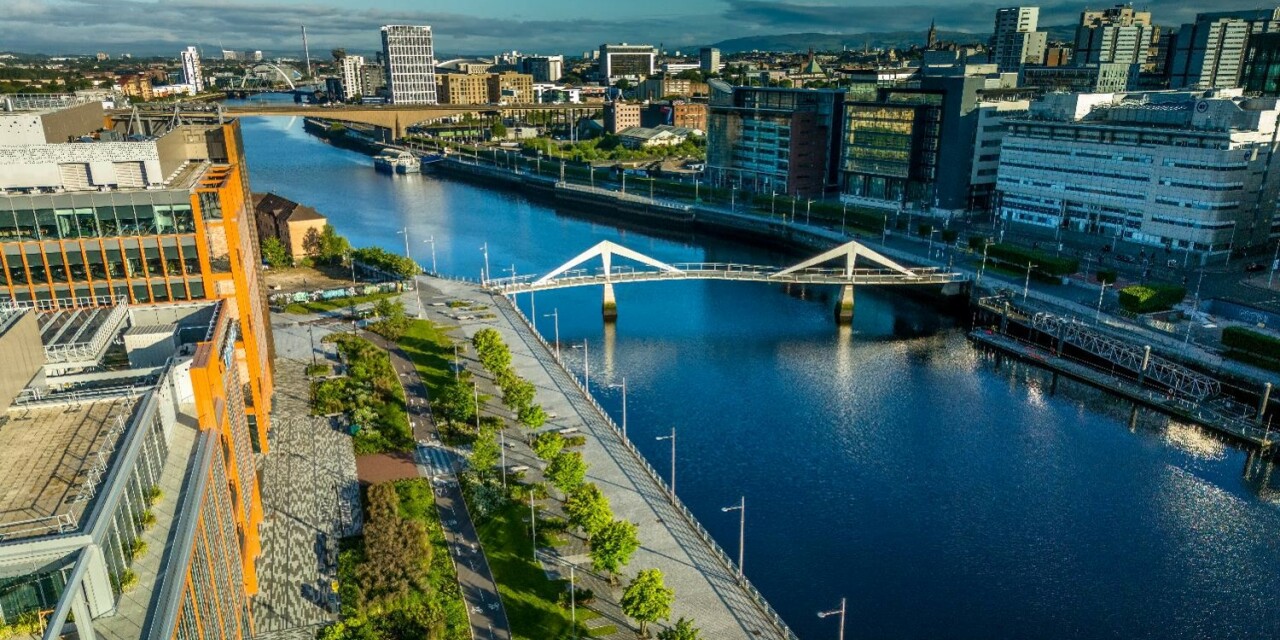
x: 707, y: 589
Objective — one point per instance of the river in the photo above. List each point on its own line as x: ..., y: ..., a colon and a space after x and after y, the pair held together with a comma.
x: 893, y: 464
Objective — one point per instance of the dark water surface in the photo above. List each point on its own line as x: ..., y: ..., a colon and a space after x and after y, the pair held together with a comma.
x: 945, y: 496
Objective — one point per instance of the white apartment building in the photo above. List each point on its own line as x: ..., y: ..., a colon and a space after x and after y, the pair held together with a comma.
x: 1185, y: 170
x: 191, y: 73
x: 1015, y: 41
x: 352, y: 81
x: 410, y: 64
x: 626, y: 60
x: 987, y: 142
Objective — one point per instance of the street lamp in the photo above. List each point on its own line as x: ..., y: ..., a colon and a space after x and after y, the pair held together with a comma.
x: 741, y: 508
x: 484, y: 276
x: 586, y: 365
x: 555, y: 313
x: 623, y: 386
x: 823, y: 614
x: 844, y: 215
x: 808, y: 206
x: 432, y: 242
x: 1097, y: 317
x: 1274, y: 262
x: 773, y: 204
x: 672, y: 438
x: 475, y: 389
x: 1026, y: 286
x: 986, y: 243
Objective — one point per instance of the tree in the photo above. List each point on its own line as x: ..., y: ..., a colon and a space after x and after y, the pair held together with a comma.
x: 612, y: 546
x: 681, y: 630
x: 532, y: 416
x: 691, y: 74
x: 518, y: 394
x: 499, y: 130
x: 485, y: 452
x: 394, y: 323
x: 274, y: 253
x: 623, y: 84
x: 456, y: 402
x: 548, y: 445
x: 491, y: 350
x: 588, y: 509
x: 647, y: 599
x: 331, y: 248
x: 567, y: 470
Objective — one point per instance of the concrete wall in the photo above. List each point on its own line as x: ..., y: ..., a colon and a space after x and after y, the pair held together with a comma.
x: 22, y: 354
x: 72, y: 122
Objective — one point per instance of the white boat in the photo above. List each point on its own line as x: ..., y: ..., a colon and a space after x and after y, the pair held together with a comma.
x: 396, y: 161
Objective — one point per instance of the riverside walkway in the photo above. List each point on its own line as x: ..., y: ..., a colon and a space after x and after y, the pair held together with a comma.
x: 705, y: 580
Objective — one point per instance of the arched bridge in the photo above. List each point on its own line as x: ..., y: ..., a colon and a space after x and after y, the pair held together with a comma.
x: 570, y: 274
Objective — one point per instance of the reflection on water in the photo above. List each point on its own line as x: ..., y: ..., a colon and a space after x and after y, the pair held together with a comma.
x: 945, y: 492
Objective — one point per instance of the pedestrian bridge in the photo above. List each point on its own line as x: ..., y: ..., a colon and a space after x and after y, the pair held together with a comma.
x: 848, y: 275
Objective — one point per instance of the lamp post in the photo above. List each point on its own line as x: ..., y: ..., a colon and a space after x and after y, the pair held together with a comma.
x: 823, y: 614
x: 844, y: 215
x: 485, y: 275
x: 502, y: 436
x: 672, y: 438
x: 555, y: 313
x: 623, y: 386
x: 741, y: 508
x: 773, y: 204
x: 808, y: 206
x: 457, y: 366
x: 475, y: 389
x: 1026, y: 285
x: 432, y: 242
x: 1275, y: 260
x: 986, y: 243
x: 794, y: 200
x: 1097, y: 317
x: 586, y: 365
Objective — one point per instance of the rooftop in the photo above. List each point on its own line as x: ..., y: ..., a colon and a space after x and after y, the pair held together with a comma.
x: 54, y: 456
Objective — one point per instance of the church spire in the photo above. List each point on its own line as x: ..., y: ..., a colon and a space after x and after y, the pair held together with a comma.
x: 931, y: 41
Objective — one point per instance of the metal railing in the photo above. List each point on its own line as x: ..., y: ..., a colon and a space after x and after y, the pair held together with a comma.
x: 729, y: 564
x: 58, y: 523
x: 91, y: 350
x: 727, y: 271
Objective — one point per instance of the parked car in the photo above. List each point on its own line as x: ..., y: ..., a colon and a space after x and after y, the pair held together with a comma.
x: 1254, y: 267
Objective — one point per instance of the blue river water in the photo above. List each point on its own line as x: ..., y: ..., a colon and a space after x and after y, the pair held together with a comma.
x: 944, y: 494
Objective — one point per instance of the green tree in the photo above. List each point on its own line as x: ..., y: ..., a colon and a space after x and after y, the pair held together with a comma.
x: 499, y: 131
x: 331, y: 248
x: 567, y: 470
x: 491, y: 350
x: 588, y: 509
x: 518, y: 394
x: 548, y: 445
x: 394, y: 323
x: 532, y: 416
x: 623, y: 84
x: 274, y: 253
x: 647, y: 599
x: 691, y: 74
x: 456, y: 403
x: 612, y: 547
x: 485, y: 452
x: 681, y: 630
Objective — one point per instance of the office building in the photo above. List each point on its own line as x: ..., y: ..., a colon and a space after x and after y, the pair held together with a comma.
x: 992, y: 109
x: 132, y: 511
x: 1210, y: 52
x: 349, y: 69
x: 161, y: 216
x: 709, y: 60
x: 621, y: 115
x: 543, y: 68
x: 373, y: 80
x: 191, y: 72
x: 1190, y: 171
x: 1107, y: 77
x: 464, y: 88
x: 912, y: 147
x: 410, y: 64
x: 676, y: 113
x: 135, y: 86
x: 510, y: 88
x: 1118, y: 35
x: 625, y: 61
x: 666, y: 85
x: 774, y: 140
x: 1015, y: 41
x: 1262, y: 64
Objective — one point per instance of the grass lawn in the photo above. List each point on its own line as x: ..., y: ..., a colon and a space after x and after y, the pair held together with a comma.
x: 431, y: 352
x: 334, y: 304
x: 530, y: 598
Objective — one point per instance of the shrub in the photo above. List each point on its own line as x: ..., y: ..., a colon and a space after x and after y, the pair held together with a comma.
x: 147, y: 519
x: 1018, y: 257
x: 1250, y: 341
x: 154, y: 495
x: 949, y: 235
x: 924, y: 229
x: 137, y: 549
x: 1150, y: 298
x: 976, y: 242
x: 128, y: 580
x: 1107, y: 276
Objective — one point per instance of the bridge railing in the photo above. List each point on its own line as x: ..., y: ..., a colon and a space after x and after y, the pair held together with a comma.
x: 726, y: 271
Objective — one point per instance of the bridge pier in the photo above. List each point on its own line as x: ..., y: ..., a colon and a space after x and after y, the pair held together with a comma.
x: 844, y: 308
x: 610, y: 306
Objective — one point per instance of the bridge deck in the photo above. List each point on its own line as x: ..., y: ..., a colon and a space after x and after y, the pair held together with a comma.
x: 722, y: 271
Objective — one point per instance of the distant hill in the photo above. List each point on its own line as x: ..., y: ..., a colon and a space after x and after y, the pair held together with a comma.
x: 874, y: 40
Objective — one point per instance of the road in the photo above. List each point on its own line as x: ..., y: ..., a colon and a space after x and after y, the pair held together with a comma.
x: 479, y: 589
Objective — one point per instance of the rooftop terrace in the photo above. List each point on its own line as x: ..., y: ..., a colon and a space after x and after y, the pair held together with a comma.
x: 53, y: 457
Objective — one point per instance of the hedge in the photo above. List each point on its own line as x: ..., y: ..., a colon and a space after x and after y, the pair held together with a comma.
x: 1150, y: 298
x: 1254, y: 342
x: 1045, y: 263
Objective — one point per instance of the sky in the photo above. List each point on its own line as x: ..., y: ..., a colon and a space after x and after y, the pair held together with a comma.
x: 488, y: 26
